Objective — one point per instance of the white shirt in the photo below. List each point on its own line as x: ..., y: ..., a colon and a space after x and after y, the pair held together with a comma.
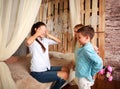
x: 40, y: 60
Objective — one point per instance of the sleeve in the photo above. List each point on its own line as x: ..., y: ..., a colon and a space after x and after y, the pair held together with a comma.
x: 31, y: 45
x: 50, y: 41
x: 96, y: 62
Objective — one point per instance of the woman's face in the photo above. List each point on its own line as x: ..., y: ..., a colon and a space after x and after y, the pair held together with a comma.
x: 42, y: 30
x: 75, y: 32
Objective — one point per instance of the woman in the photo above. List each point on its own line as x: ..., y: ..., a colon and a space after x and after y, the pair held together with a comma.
x: 40, y: 68
x: 76, y: 27
x: 76, y: 44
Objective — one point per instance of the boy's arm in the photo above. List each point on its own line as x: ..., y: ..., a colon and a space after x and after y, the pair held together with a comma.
x: 97, y: 65
x: 96, y: 62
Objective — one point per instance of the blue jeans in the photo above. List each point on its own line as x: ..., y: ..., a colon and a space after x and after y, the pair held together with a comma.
x: 49, y: 76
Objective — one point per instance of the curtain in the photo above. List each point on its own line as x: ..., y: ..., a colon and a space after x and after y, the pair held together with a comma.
x: 75, y: 17
x: 16, y: 19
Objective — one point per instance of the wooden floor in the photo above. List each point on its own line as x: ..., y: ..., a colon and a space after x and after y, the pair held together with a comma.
x: 99, y: 84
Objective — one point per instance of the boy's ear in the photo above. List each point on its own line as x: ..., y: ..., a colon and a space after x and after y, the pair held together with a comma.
x: 87, y: 37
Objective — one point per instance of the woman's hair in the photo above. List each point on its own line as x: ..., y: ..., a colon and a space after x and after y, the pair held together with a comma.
x: 87, y: 31
x: 36, y: 26
x: 78, y: 26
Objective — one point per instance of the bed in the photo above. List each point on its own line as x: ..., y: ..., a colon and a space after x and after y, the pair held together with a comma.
x: 19, y: 67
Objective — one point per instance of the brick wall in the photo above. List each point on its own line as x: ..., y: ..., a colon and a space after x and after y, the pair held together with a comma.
x: 112, y: 38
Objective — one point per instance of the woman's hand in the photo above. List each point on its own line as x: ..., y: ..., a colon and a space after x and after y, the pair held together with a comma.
x: 47, y: 33
x: 52, y: 37
x: 31, y: 39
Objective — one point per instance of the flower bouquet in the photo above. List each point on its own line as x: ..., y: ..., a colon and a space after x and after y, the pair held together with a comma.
x: 106, y: 72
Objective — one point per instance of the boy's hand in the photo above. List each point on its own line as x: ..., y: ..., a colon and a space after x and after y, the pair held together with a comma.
x: 96, y: 49
x: 94, y: 77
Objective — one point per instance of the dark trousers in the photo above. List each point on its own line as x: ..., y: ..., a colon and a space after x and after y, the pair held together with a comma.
x: 49, y: 76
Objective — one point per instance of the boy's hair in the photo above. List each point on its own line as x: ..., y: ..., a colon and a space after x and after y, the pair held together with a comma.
x: 86, y: 31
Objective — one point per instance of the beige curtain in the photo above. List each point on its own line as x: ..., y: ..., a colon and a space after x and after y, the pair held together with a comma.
x: 75, y: 17
x: 16, y: 19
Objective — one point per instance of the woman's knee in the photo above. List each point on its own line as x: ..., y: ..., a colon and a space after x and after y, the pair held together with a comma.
x: 65, y: 69
x: 63, y: 75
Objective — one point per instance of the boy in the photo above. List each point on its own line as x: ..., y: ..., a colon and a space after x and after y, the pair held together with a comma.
x: 88, y: 62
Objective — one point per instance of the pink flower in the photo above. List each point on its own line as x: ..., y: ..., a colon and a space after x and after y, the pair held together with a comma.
x: 110, y: 78
x: 109, y: 68
x: 108, y: 74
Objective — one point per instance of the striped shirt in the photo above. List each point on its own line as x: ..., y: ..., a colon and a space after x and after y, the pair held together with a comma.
x: 88, y: 62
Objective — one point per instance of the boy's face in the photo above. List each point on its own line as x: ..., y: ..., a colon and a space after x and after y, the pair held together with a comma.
x: 82, y: 39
